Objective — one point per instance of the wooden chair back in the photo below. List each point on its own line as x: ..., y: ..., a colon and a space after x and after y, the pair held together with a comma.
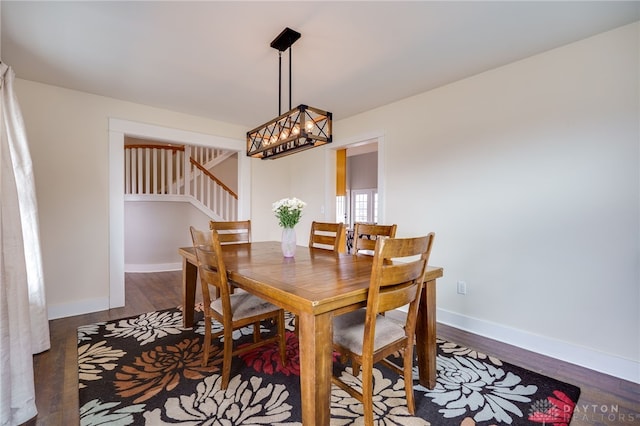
x: 366, y: 336
x: 331, y: 236
x: 397, y: 275
x: 232, y: 232
x: 365, y: 235
x: 212, y: 270
x: 200, y: 238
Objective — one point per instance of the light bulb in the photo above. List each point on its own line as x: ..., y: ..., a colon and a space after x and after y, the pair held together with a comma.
x: 309, y: 126
x: 296, y: 130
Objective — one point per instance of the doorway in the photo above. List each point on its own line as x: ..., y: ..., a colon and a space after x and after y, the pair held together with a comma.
x: 359, y: 200
x: 118, y: 129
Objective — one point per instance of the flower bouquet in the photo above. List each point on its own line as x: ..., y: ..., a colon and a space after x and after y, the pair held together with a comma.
x: 288, y: 211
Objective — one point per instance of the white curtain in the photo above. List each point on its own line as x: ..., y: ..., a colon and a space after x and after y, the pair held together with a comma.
x: 23, y: 313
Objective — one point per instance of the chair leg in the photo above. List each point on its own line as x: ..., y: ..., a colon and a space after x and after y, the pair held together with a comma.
x: 207, y: 341
x: 283, y: 338
x: 226, y: 357
x: 355, y: 367
x: 408, y: 378
x: 367, y: 393
x: 256, y: 331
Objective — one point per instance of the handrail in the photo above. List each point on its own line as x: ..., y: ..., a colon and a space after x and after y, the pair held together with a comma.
x: 212, y: 177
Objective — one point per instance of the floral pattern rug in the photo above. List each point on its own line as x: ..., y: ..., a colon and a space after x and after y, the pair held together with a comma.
x: 146, y: 370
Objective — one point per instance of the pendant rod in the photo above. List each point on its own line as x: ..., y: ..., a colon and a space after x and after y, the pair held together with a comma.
x: 279, y: 83
x: 290, y: 50
x: 282, y: 42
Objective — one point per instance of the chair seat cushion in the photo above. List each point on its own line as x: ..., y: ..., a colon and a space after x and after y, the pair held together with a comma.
x: 348, y: 331
x: 245, y: 305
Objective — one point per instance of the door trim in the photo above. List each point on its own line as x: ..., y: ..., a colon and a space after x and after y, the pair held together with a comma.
x: 118, y: 129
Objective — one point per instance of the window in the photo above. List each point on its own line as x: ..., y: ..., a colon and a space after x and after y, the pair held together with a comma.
x: 364, y: 205
x: 341, y: 208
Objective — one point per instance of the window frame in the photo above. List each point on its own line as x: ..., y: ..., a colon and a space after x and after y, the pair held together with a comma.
x: 372, y: 205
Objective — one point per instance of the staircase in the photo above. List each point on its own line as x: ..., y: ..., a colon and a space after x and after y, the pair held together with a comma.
x: 179, y: 173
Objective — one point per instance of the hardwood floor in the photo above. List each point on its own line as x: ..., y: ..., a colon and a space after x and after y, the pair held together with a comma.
x: 56, y: 371
x: 604, y: 400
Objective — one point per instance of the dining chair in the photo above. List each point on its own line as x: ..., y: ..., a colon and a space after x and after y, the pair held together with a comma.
x: 328, y: 235
x: 232, y: 310
x: 365, y: 337
x: 233, y: 231
x: 365, y: 235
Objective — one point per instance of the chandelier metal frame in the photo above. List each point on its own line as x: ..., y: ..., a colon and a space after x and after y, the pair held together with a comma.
x: 298, y: 129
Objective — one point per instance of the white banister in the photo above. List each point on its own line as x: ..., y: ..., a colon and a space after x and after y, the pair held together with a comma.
x: 186, y: 184
x: 127, y: 171
x: 140, y: 179
x: 167, y: 171
x: 154, y: 172
x: 163, y: 174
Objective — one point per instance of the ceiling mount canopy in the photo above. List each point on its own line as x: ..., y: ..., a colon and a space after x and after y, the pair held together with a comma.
x: 300, y: 128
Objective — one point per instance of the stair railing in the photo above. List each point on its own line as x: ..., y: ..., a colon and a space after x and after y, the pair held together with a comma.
x: 153, y: 169
x: 169, y: 171
x: 212, y: 192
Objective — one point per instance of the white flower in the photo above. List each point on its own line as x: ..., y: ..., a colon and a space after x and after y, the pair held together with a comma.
x: 235, y: 334
x: 389, y: 402
x: 452, y: 348
x: 146, y: 328
x: 468, y: 385
x: 93, y: 360
x: 243, y: 402
x: 95, y: 412
x: 85, y: 331
x: 288, y: 211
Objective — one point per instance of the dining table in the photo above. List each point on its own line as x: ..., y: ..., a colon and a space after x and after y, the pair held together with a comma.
x: 316, y: 285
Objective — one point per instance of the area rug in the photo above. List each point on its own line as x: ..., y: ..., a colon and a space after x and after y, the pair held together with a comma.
x: 146, y: 370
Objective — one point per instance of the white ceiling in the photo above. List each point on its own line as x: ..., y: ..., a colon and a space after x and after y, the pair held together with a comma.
x: 213, y: 59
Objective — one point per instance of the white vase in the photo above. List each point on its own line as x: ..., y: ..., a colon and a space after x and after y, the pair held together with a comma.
x: 288, y: 242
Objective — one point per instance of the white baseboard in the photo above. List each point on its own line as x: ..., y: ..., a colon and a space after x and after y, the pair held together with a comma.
x: 604, y: 363
x: 158, y: 267
x: 86, y: 306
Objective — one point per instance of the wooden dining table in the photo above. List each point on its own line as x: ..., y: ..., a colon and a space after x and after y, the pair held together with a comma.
x: 316, y: 285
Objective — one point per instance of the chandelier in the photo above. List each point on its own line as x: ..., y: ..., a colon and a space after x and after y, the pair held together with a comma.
x: 300, y: 128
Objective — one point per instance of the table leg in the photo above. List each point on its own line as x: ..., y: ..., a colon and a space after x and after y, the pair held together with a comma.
x: 426, y: 335
x: 189, y: 283
x: 316, y: 340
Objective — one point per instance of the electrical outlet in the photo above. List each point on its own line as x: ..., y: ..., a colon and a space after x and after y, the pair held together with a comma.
x: 462, y: 287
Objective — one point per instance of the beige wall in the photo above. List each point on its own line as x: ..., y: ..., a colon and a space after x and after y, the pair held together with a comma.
x: 528, y: 174
x: 154, y: 229
x: 362, y: 171
x: 227, y: 172
x: 69, y: 142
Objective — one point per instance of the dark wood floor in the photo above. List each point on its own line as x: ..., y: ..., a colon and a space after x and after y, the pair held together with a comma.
x: 605, y: 400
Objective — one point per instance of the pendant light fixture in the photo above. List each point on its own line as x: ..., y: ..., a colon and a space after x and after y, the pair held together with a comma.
x: 300, y: 128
